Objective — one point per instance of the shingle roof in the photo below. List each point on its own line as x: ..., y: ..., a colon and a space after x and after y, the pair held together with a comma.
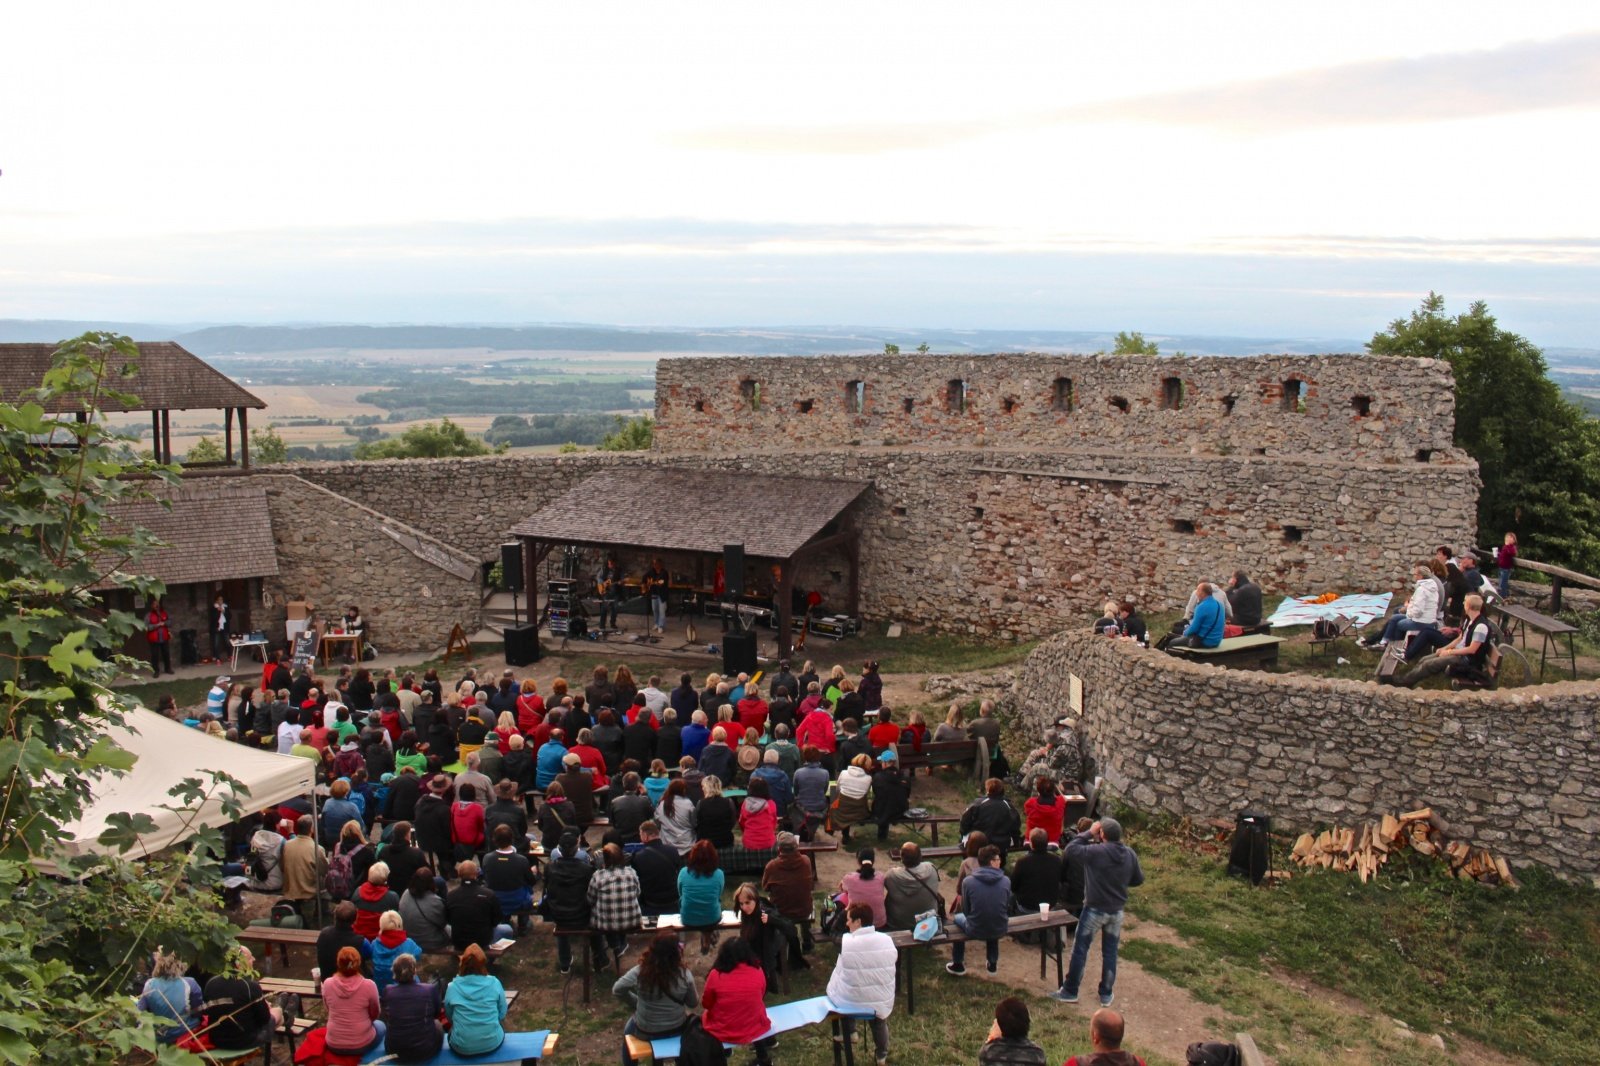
x: 217, y: 529
x: 169, y: 377
x: 689, y: 510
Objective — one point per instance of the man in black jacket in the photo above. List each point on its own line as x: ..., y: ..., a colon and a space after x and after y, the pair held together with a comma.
x: 1244, y: 596
x: 629, y: 810
x: 639, y: 738
x: 1036, y: 878
x: 507, y: 810
x: 474, y: 911
x: 342, y: 934
x: 657, y: 865
x: 566, y: 901
x: 993, y: 816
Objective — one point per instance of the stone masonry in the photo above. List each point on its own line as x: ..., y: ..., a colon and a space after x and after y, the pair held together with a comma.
x: 1516, y: 771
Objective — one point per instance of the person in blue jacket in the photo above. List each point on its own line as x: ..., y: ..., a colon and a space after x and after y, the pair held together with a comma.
x: 1205, y: 628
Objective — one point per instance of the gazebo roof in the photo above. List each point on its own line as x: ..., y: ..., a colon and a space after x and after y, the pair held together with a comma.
x: 667, y: 509
x: 169, y: 378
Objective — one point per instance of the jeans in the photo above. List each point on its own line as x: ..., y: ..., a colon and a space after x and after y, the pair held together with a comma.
x: 880, y: 1032
x: 1109, y: 925
x: 632, y: 1029
x: 958, y: 950
x: 658, y: 607
x: 608, y: 610
x: 597, y: 948
x: 1457, y: 666
x: 1397, y: 625
x: 1503, y: 583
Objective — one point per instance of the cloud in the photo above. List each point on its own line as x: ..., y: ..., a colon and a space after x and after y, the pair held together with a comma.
x: 1526, y: 76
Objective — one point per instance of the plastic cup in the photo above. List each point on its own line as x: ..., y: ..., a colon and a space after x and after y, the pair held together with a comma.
x: 1044, y: 908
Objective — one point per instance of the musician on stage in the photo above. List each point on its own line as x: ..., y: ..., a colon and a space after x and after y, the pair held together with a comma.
x: 656, y: 583
x: 608, y: 583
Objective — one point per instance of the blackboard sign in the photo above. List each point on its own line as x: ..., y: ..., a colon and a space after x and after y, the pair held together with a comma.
x: 305, y: 648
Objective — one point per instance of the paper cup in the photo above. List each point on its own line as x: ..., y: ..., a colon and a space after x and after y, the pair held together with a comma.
x: 1044, y: 908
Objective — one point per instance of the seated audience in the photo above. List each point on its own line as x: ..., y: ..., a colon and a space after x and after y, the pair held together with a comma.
x: 507, y: 810
x: 354, y: 1012
x: 556, y: 816
x: 341, y: 934
x: 993, y: 816
x: 891, y: 791
x: 953, y: 727
x: 852, y: 807
x: 910, y: 889
x: 578, y: 785
x: 1465, y: 658
x: 566, y: 899
x: 657, y: 865
x: 1045, y: 809
x: 614, y: 899
x: 863, y: 885
x: 735, y: 990
x: 1424, y: 610
x: 392, y: 942
x: 1244, y: 600
x: 1036, y: 878
x: 700, y: 893
x: 473, y: 910
x: 660, y: 990
x: 863, y: 979
x: 675, y: 816
x: 758, y: 818
x: 422, y: 911
x: 509, y: 875
x: 411, y: 1010
x: 169, y: 994
x: 715, y: 816
x: 786, y: 880
x: 238, y: 1010
x: 1106, y: 1029
x: 717, y: 758
x: 1131, y: 625
x: 1008, y: 1043
x: 475, y: 1003
x: 982, y: 910
x: 373, y: 898
x: 630, y: 809
x: 1205, y: 626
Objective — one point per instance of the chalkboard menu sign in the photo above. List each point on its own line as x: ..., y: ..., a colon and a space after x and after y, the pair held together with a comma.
x: 305, y: 648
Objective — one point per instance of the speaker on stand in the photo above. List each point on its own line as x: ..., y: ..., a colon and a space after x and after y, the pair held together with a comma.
x: 511, y: 575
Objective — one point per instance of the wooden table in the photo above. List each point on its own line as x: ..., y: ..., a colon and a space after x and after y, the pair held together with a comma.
x: 933, y: 822
x: 331, y: 639
x: 1050, y: 947
x: 1515, y: 619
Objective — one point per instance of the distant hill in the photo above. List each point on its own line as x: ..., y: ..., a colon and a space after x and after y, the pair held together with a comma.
x: 214, y: 341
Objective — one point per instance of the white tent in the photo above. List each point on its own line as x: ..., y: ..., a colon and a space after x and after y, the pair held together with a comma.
x: 167, y: 753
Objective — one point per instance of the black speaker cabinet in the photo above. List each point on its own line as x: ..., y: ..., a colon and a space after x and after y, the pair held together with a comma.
x: 733, y: 570
x: 511, y: 566
x: 522, y: 645
x: 738, y: 653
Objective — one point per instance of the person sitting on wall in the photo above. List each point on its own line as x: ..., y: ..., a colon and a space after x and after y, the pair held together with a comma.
x: 1206, y: 624
x: 1106, y: 624
x: 1244, y: 601
x: 1130, y: 624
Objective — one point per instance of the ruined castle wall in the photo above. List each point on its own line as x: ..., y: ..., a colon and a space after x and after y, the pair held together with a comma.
x: 1334, y: 405
x: 1517, y: 771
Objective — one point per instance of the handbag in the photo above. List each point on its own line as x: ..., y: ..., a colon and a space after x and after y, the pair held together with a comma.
x: 928, y: 926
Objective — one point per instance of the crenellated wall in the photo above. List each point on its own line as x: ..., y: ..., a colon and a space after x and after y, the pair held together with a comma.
x: 1346, y: 406
x: 1517, y: 771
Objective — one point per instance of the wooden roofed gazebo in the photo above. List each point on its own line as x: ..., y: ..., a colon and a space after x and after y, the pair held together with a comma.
x: 169, y: 378
x: 652, y: 508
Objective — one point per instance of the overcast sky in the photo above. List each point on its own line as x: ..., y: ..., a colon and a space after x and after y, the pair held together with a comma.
x: 1250, y: 169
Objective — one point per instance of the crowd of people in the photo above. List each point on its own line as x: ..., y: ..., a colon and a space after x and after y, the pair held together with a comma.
x: 446, y: 817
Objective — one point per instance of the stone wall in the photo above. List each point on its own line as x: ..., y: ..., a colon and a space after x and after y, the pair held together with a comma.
x: 1517, y: 771
x: 331, y: 551
x: 1401, y: 410
x: 1009, y: 543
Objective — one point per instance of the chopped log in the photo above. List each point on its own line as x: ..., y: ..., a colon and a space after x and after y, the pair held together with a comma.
x: 1418, y: 815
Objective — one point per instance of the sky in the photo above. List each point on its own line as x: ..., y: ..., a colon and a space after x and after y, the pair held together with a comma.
x: 1252, y: 169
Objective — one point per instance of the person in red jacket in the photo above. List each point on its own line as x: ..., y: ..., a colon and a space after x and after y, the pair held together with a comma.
x: 753, y: 710
x: 372, y: 899
x: 1105, y: 1036
x: 1046, y: 809
x: 885, y: 734
x: 816, y: 731
x: 735, y: 988
x: 530, y: 706
x: 466, y: 824
x: 158, y: 632
x: 758, y: 817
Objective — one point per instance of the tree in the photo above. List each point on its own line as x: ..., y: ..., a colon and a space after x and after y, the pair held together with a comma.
x: 922, y: 349
x: 204, y: 450
x: 633, y: 435
x: 69, y: 947
x: 267, y: 446
x: 1538, y: 456
x: 891, y: 349
x: 431, y: 440
x: 1134, y: 344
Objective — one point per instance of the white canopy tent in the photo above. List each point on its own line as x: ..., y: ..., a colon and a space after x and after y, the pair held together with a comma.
x: 167, y: 753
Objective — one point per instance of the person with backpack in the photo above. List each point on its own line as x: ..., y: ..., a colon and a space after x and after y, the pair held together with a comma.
x: 349, y: 862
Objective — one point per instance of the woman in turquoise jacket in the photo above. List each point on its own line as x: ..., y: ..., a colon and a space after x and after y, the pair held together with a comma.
x: 475, y: 1003
x: 700, y: 893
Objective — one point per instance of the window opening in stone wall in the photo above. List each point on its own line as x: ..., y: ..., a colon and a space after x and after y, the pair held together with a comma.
x: 1228, y: 403
x: 855, y: 396
x: 1361, y: 405
x: 750, y: 393
x: 1120, y: 403
x: 1294, y: 395
x: 908, y: 404
x: 1172, y: 394
x: 899, y: 512
x: 955, y: 396
x: 1293, y: 534
x: 700, y: 407
x: 1061, y: 398
x: 803, y: 406
x: 977, y: 514
x: 1258, y: 451
x: 1424, y: 455
x: 1182, y: 525
x: 1009, y: 405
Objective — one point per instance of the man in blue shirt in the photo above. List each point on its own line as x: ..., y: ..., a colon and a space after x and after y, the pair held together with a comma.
x: 547, y: 762
x: 1205, y: 628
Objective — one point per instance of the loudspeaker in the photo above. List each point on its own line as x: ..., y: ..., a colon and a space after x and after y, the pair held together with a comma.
x: 522, y: 645
x: 738, y: 653
x: 1251, y: 854
x: 733, y: 570
x: 511, y: 566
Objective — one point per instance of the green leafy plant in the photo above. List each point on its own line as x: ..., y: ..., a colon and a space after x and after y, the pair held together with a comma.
x: 267, y: 446
x: 431, y: 440
x: 632, y: 435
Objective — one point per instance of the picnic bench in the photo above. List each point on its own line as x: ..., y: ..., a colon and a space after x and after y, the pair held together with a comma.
x: 1050, y: 947
x: 517, y: 1048
x: 973, y: 752
x: 1254, y: 652
x: 784, y: 1018
x: 932, y: 821
x: 1516, y: 619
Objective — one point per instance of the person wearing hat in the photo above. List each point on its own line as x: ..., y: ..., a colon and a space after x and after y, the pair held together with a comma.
x: 217, y: 698
x: 891, y: 792
x: 1110, y: 868
x: 579, y: 787
x: 508, y: 810
x: 434, y: 827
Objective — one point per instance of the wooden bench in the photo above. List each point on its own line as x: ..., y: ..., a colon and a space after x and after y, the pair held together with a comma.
x: 933, y: 822
x: 516, y: 1049
x: 785, y: 1018
x: 1050, y: 947
x: 943, y: 851
x: 948, y: 753
x: 812, y: 849
x: 281, y: 936
x: 1255, y: 652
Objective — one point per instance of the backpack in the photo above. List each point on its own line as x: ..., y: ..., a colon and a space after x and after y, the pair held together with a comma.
x: 697, y: 1047
x: 1325, y: 629
x: 341, y: 874
x: 286, y: 912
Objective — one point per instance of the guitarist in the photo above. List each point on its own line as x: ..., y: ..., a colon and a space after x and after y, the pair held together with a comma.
x: 608, y: 583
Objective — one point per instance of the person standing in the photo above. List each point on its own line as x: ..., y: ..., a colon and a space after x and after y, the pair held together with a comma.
x: 863, y: 979
x: 656, y: 583
x: 608, y: 583
x: 218, y: 627
x: 1504, y: 560
x: 158, y: 632
x: 1110, y: 868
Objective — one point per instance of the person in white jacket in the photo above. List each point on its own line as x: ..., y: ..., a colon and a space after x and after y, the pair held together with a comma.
x: 1424, y: 610
x: 863, y: 978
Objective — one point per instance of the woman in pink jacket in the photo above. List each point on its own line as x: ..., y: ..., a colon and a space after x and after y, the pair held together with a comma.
x: 758, y: 817
x: 352, y: 1004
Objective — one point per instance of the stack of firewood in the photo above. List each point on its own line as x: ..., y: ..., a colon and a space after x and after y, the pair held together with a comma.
x: 1369, y: 847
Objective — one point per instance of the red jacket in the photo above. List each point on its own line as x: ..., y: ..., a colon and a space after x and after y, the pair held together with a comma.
x: 816, y: 731
x: 156, y: 628
x: 530, y: 711
x: 466, y: 823
x: 760, y: 827
x: 1045, y: 817
x: 591, y: 759
x: 734, y: 1012
x: 883, y: 735
x: 753, y: 715
x: 369, y: 901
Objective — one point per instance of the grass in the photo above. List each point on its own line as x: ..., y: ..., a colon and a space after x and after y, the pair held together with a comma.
x: 1517, y: 971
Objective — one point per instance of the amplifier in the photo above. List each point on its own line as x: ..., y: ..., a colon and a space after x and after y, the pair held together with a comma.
x: 837, y: 626
x: 560, y: 587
